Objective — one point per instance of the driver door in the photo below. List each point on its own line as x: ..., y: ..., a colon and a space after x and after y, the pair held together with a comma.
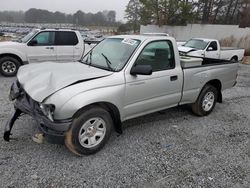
x: 160, y: 90
x: 212, y: 51
x: 42, y: 47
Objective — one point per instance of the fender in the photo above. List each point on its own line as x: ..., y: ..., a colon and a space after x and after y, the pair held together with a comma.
x: 16, y: 52
x: 94, y: 96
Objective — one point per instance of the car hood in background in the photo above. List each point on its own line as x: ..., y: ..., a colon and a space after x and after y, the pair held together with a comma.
x: 185, y: 49
x: 43, y: 79
x: 9, y: 44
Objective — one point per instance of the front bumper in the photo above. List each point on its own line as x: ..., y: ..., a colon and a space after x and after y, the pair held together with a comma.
x: 24, y: 104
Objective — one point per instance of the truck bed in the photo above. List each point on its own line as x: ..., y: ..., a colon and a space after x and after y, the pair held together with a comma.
x: 205, y: 61
x: 196, y: 77
x: 230, y: 48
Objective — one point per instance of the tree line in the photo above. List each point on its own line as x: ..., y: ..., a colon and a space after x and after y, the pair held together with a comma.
x: 33, y: 15
x: 182, y: 12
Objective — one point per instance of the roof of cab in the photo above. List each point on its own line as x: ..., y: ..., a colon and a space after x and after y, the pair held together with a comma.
x: 205, y: 39
x: 55, y: 29
x: 141, y: 37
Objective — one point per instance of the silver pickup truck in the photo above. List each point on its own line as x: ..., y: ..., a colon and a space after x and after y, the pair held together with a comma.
x: 123, y: 77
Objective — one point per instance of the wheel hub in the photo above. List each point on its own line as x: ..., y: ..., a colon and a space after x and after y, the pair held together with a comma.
x: 208, y: 101
x: 8, y: 67
x: 92, y: 132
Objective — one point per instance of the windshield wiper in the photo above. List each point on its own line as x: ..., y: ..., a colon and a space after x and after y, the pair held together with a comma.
x: 108, y: 62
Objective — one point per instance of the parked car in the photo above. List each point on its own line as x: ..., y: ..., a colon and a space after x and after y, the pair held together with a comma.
x: 210, y: 48
x: 123, y: 77
x: 58, y: 45
x: 92, y: 39
x: 88, y: 47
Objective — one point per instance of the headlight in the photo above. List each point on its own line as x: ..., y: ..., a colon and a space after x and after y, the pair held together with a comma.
x: 48, y: 110
x: 182, y: 53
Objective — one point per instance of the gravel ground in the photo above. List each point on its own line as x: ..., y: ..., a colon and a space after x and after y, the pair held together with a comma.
x: 170, y: 149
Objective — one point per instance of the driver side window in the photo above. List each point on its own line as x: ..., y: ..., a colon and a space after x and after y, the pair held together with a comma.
x: 159, y: 55
x: 45, y: 39
x: 213, y: 46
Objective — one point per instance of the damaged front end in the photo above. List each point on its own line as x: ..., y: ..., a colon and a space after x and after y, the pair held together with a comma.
x: 42, y: 113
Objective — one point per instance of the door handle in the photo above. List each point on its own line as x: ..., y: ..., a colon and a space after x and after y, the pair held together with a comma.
x: 50, y: 48
x: 173, y: 78
x: 137, y: 83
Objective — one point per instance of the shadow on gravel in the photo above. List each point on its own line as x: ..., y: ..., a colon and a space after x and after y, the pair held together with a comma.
x: 183, y: 111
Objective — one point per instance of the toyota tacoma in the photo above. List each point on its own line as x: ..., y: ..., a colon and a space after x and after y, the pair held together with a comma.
x: 121, y: 78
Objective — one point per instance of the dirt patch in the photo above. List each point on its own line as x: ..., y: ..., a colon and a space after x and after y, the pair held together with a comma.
x: 246, y: 60
x: 5, y: 39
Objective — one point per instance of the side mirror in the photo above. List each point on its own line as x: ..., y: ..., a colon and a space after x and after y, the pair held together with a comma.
x: 33, y: 42
x: 210, y: 49
x: 141, y: 70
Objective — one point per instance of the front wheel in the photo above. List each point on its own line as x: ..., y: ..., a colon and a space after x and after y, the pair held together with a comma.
x: 206, y: 101
x: 9, y: 66
x: 89, y: 131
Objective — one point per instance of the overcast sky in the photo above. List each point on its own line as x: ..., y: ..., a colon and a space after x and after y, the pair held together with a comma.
x: 67, y: 6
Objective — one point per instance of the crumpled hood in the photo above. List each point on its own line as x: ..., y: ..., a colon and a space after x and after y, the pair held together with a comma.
x: 43, y: 79
x: 185, y: 49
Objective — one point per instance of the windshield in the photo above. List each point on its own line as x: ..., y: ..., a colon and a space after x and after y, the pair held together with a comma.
x: 111, y: 54
x: 29, y: 36
x: 196, y: 43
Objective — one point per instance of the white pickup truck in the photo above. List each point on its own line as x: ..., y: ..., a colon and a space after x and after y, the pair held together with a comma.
x: 210, y: 48
x: 58, y: 45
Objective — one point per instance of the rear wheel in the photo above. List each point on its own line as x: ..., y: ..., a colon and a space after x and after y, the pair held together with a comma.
x: 89, y: 132
x: 9, y: 66
x: 234, y: 59
x: 206, y: 101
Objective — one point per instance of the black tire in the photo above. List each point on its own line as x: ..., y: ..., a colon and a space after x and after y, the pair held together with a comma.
x: 234, y: 59
x: 199, y: 108
x: 72, y: 137
x: 9, y: 66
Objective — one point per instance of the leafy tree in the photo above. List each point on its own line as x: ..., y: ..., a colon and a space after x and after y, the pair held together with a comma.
x: 132, y: 14
x: 245, y: 14
x: 12, y: 16
x: 111, y: 16
x: 181, y: 12
x: 161, y: 12
x: 79, y: 18
x: 125, y: 28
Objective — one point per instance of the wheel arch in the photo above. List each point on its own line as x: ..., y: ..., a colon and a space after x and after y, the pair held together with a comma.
x: 13, y: 56
x: 217, y: 84
x: 235, y: 57
x: 111, y: 108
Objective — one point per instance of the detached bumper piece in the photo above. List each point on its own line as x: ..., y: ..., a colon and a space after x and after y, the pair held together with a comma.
x: 10, y: 123
x: 24, y: 104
